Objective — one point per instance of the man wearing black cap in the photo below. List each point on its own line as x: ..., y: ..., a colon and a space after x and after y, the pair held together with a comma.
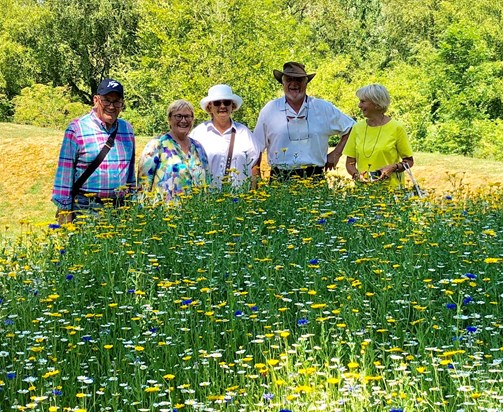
x: 295, y: 128
x: 97, y: 157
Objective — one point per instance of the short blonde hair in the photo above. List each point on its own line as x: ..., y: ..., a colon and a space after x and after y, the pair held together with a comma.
x: 178, y: 105
x: 377, y: 94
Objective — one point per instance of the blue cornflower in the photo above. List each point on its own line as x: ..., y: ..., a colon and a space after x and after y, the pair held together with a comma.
x: 268, y: 396
x: 351, y: 220
x: 69, y: 277
x: 313, y: 262
x: 8, y: 322
x: 235, y: 200
x: 54, y: 226
x: 321, y: 221
x: 467, y: 300
x: 11, y: 375
x: 448, y: 197
x: 450, y: 366
x: 254, y: 308
x: 131, y: 291
x: 302, y: 322
x: 451, y: 306
x: 86, y: 338
x: 1, y: 301
x: 57, y: 392
x: 470, y: 276
x: 396, y: 410
x: 62, y: 251
x: 186, y: 302
x: 285, y: 410
x: 154, y: 330
x: 471, y: 329
x: 238, y: 313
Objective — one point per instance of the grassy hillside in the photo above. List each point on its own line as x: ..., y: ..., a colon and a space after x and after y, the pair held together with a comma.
x: 29, y: 156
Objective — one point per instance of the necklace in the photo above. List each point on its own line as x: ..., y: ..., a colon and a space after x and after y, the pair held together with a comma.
x: 375, y: 143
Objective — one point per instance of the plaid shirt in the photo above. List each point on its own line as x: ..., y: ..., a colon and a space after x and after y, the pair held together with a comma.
x: 83, y: 140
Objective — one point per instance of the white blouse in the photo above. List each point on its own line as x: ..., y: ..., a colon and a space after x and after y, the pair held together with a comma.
x: 244, y: 156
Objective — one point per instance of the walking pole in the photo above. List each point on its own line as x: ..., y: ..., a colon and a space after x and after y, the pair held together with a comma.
x: 420, y: 193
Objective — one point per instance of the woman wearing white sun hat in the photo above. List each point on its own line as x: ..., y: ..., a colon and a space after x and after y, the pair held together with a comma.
x: 231, y: 147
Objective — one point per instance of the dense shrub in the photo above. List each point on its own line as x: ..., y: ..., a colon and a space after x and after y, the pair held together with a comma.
x: 46, y: 106
x: 448, y: 137
x: 5, y: 108
x: 490, y: 145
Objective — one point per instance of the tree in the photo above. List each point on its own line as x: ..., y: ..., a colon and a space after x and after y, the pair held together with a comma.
x: 18, y: 30
x: 84, y: 41
x: 188, y: 46
x: 466, y: 88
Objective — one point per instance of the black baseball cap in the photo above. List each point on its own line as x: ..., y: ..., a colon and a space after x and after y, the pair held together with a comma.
x: 109, y: 86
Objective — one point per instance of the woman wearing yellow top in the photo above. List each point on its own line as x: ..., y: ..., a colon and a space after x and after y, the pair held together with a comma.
x: 378, y: 148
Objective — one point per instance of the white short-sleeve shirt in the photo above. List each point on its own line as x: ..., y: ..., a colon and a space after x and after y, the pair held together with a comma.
x: 299, y: 139
x: 244, y: 155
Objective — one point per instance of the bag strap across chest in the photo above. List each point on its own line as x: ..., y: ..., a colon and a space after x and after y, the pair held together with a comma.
x: 95, y: 163
x: 229, y: 154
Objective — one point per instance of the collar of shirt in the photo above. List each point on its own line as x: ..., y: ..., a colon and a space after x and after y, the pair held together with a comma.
x: 101, y: 123
x: 211, y: 127
x: 292, y: 113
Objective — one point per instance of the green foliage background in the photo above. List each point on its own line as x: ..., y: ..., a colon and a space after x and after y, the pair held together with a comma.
x: 441, y: 60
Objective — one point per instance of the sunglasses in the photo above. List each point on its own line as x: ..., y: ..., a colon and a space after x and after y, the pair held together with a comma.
x: 218, y: 103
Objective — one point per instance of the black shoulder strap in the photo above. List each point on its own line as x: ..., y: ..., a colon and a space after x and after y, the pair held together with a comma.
x: 96, y: 162
x: 229, y: 153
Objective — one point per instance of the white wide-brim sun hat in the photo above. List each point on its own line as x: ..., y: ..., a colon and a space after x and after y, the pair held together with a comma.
x: 221, y: 92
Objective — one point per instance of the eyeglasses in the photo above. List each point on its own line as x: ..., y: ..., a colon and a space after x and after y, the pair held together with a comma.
x: 179, y: 117
x: 297, y: 126
x: 218, y: 103
x: 117, y: 104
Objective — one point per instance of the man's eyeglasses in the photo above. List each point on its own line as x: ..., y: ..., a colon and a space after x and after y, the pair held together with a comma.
x: 187, y: 117
x: 218, y: 103
x: 117, y: 104
x: 298, y: 126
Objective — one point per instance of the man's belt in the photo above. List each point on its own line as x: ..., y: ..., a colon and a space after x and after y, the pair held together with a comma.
x: 308, y: 171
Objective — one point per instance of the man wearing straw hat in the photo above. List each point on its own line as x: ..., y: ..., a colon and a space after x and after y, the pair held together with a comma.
x: 295, y: 128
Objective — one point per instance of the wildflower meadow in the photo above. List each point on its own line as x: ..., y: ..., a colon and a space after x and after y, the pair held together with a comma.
x: 290, y: 298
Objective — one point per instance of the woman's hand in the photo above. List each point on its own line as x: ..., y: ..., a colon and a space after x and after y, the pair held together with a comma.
x: 362, y: 177
x: 387, y: 171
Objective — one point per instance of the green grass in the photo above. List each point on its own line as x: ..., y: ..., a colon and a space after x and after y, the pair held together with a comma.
x: 294, y: 297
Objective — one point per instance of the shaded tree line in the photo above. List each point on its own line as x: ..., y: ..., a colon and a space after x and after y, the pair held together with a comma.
x: 441, y: 60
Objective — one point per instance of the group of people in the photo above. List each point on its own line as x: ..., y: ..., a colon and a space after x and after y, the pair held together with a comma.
x: 97, y: 157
